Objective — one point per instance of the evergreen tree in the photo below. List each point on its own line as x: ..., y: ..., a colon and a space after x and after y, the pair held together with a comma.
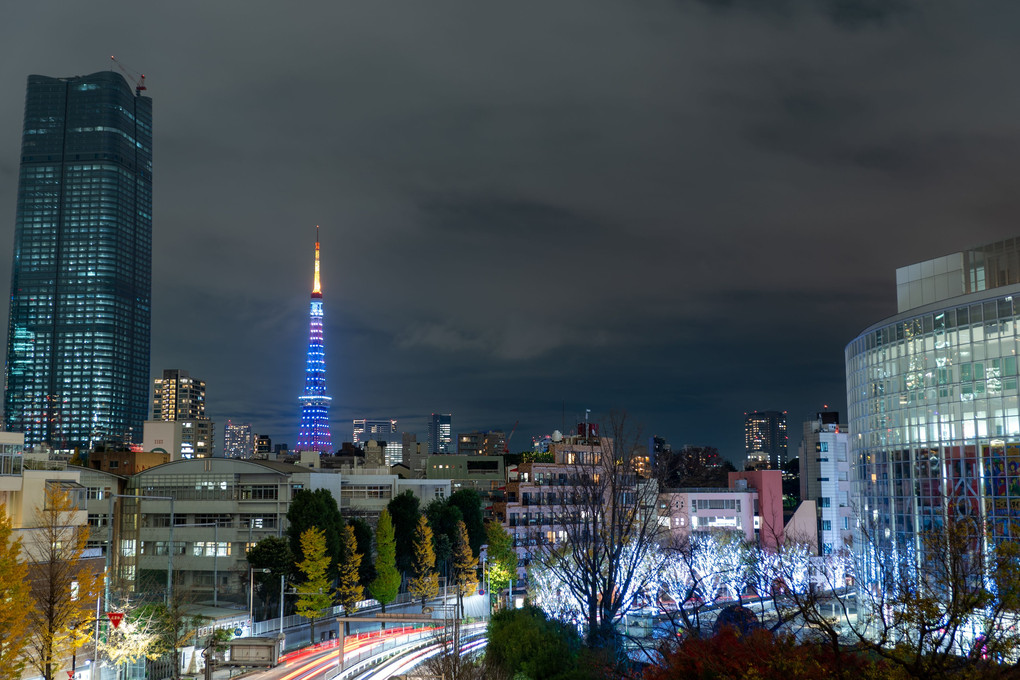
x: 465, y: 566
x: 443, y: 518
x: 14, y: 601
x: 314, y: 592
x: 319, y: 509
x: 349, y: 591
x: 363, y: 535
x: 271, y: 553
x: 425, y: 581
x: 387, y: 579
x: 405, y: 510
x: 470, y: 505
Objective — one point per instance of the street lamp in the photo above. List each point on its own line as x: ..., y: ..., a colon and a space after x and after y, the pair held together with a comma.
x: 251, y: 594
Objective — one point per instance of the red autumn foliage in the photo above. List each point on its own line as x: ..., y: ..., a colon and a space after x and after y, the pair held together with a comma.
x: 758, y: 656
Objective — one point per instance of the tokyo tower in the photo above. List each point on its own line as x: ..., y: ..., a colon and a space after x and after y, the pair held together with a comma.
x: 315, y: 434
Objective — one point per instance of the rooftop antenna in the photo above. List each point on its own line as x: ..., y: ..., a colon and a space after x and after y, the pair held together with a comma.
x: 137, y: 78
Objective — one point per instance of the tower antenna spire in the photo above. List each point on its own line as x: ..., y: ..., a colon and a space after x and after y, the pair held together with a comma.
x: 316, y: 288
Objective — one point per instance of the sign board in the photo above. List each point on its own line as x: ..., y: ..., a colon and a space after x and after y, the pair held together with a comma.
x: 115, y: 618
x: 70, y: 675
x: 255, y: 651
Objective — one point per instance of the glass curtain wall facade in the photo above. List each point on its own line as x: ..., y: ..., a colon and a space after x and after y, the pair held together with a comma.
x: 78, y: 336
x: 934, y: 421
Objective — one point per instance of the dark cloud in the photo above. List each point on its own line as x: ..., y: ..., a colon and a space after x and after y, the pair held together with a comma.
x: 846, y: 14
x: 530, y: 209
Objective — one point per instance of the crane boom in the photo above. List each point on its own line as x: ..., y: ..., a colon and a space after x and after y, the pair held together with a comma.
x: 137, y: 78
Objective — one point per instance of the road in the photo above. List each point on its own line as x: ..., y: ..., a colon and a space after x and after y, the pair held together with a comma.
x: 475, y: 606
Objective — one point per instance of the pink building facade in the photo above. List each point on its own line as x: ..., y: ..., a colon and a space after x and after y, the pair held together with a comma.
x: 753, y: 505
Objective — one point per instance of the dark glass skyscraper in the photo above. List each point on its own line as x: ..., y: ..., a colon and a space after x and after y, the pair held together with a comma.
x: 78, y: 337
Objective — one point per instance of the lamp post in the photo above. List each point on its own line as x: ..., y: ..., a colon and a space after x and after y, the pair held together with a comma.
x: 251, y: 595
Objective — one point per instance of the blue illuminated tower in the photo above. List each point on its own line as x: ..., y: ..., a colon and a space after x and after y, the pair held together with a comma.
x: 314, y: 402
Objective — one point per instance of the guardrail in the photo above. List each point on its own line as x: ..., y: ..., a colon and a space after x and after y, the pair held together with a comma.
x: 358, y: 662
x: 272, y: 626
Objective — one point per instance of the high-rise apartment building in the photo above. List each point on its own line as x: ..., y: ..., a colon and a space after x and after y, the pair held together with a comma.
x: 765, y: 437
x: 825, y: 479
x: 440, y: 433
x: 238, y: 440
x: 315, y: 433
x: 179, y: 398
x: 77, y: 367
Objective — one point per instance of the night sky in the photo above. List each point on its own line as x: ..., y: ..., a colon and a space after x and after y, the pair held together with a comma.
x: 682, y: 209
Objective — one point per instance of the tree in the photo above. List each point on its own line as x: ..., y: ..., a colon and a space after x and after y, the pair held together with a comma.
x: 424, y: 581
x: 271, y: 553
x: 404, y: 509
x: 349, y: 591
x: 363, y: 536
x: 14, y: 600
x: 137, y: 636
x: 692, y: 466
x: 524, y: 642
x: 314, y: 592
x: 606, y: 515
x: 318, y: 509
x: 175, y: 625
x: 443, y: 517
x: 501, y: 561
x: 63, y: 588
x: 470, y: 505
x: 465, y: 566
x: 386, y: 585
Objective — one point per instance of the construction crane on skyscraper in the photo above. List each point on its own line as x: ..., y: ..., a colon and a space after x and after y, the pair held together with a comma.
x: 137, y: 78
x: 506, y: 443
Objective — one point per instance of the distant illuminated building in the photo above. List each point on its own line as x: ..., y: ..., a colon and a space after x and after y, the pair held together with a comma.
x: 314, y: 434
x: 238, y: 440
x: 380, y: 430
x: 179, y: 398
x: 765, y: 438
x: 441, y: 433
x: 491, y: 443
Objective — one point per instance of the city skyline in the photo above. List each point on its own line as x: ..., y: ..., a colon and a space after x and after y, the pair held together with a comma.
x: 687, y: 210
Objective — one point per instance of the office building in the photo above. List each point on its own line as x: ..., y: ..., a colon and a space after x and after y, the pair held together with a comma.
x: 238, y: 440
x: 380, y: 430
x: 933, y: 397
x: 77, y: 367
x: 315, y: 433
x: 492, y: 443
x: 825, y: 479
x: 179, y: 398
x: 765, y: 438
x: 440, y: 433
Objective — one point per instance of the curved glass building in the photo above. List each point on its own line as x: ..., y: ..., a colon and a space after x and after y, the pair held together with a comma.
x: 933, y: 400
